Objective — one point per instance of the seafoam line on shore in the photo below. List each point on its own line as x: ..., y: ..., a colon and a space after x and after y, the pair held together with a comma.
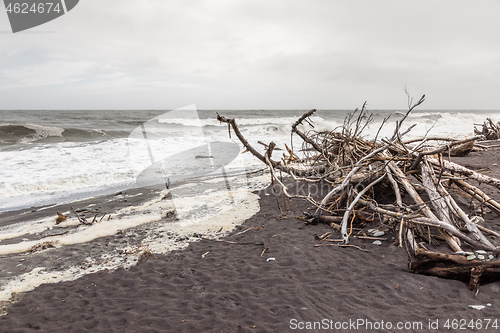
x: 161, y: 242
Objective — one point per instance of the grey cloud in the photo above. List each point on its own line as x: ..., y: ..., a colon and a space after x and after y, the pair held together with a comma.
x: 257, y: 54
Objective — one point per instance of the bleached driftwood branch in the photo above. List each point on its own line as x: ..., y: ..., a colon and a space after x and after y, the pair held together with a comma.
x: 417, y: 177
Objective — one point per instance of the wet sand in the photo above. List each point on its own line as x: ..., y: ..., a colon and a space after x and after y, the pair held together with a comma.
x: 233, y: 285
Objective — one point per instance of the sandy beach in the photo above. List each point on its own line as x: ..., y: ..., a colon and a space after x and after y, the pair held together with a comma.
x: 249, y: 166
x: 232, y: 285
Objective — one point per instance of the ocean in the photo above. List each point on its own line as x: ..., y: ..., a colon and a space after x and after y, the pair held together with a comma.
x: 171, y: 173
x: 49, y: 156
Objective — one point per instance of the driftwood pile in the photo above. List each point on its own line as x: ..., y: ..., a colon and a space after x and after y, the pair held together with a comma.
x: 410, y: 186
x: 489, y: 130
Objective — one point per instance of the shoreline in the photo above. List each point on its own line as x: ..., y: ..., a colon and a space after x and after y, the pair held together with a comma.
x: 230, y: 285
x: 103, y: 203
x: 138, y: 222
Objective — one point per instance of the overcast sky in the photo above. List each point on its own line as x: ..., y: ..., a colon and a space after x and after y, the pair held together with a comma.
x: 255, y: 54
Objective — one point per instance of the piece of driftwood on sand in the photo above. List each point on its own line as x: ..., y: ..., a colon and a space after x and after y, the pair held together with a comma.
x: 489, y: 130
x: 411, y: 186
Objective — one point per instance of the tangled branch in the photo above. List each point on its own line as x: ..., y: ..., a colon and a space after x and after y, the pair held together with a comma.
x: 406, y: 183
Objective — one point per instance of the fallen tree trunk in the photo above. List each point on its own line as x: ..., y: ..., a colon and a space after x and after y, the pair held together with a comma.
x: 381, y: 178
x: 455, y: 266
x: 457, y: 168
x: 297, y: 172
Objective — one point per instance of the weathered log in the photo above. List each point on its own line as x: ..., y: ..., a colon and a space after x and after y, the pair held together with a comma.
x: 254, y: 152
x: 454, y: 167
x: 437, y: 201
x: 352, y: 165
x: 445, y: 204
x: 455, y: 266
x: 452, y: 230
x: 439, y: 150
x: 329, y: 219
x: 452, y: 242
x: 345, y: 236
x: 479, y: 195
x: 463, y: 149
x: 395, y: 187
x: 471, y: 227
x: 490, y: 130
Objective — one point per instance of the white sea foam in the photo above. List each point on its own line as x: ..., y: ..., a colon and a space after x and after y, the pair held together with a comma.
x: 42, y: 132
x: 69, y: 171
x: 52, y: 173
x: 218, y: 194
x: 27, y: 228
x: 286, y: 121
x: 244, y: 205
x: 452, y: 124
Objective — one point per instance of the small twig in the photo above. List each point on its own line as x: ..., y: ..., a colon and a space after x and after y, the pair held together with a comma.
x: 81, y: 219
x: 344, y: 245
x: 345, y: 236
x: 103, y: 216
x: 372, y: 238
x: 410, y: 108
x: 252, y: 228
x: 60, y: 234
x: 231, y: 242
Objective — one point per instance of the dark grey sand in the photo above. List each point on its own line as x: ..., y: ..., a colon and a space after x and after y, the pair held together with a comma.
x: 63, y: 257
x: 105, y: 203
x: 218, y: 286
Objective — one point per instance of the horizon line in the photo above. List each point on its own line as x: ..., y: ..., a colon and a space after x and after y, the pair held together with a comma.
x: 254, y: 109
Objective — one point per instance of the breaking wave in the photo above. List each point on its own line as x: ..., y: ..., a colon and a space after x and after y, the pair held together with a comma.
x: 33, y: 133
